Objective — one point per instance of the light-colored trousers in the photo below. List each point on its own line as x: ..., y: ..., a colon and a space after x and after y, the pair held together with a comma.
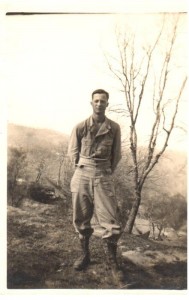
x: 93, y: 191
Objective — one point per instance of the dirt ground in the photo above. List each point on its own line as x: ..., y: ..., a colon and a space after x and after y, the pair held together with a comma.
x: 42, y: 246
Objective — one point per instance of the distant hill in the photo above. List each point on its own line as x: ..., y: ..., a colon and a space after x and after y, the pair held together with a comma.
x: 21, y: 136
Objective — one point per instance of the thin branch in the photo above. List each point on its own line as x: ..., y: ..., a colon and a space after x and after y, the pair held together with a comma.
x: 165, y: 71
x: 168, y: 132
x: 112, y: 70
x: 149, y: 53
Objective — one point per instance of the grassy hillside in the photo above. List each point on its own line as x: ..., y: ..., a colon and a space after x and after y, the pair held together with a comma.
x: 37, y: 155
x: 169, y: 175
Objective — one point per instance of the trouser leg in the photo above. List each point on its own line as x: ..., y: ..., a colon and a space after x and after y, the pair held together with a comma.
x: 82, y: 202
x: 106, y: 207
x: 82, y: 214
x: 107, y: 215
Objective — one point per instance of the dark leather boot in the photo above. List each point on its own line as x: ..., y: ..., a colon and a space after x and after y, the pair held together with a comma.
x: 110, y: 248
x: 83, y: 261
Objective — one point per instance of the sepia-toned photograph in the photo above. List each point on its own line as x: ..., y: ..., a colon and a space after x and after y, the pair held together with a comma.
x: 96, y: 144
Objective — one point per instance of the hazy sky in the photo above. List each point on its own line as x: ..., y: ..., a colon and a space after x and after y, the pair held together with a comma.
x: 53, y: 63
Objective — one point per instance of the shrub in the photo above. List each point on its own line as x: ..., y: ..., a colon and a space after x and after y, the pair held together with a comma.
x: 43, y: 194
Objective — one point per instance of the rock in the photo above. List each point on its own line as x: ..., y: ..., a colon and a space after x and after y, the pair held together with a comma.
x: 151, y: 258
x: 170, y: 234
x: 141, y: 228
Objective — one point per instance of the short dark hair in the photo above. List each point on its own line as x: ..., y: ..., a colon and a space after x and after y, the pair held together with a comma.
x: 100, y: 91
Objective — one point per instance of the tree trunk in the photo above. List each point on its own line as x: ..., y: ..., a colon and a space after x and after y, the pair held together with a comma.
x: 38, y: 177
x: 133, y: 212
x: 160, y: 228
x: 59, y: 172
x: 59, y: 175
x: 153, y: 230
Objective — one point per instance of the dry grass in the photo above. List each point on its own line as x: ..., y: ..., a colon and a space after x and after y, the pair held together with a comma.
x: 42, y: 246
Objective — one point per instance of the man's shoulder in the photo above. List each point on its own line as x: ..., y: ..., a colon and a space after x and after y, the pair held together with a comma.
x: 81, y: 125
x: 112, y: 123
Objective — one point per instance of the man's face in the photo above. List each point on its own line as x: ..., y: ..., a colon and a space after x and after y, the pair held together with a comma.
x: 99, y: 103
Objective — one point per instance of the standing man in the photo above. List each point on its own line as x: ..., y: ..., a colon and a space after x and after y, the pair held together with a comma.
x: 95, y: 150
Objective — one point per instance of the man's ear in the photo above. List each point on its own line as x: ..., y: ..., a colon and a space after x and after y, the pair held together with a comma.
x: 107, y: 104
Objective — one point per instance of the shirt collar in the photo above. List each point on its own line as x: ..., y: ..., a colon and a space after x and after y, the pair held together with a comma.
x: 106, y: 122
x: 105, y: 127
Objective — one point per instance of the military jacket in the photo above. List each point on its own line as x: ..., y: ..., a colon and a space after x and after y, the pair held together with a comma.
x: 103, y: 144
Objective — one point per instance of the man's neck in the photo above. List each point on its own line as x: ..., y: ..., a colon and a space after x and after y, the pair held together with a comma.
x: 98, y: 118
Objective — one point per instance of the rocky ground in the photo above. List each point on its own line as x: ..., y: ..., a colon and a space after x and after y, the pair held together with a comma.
x: 42, y: 246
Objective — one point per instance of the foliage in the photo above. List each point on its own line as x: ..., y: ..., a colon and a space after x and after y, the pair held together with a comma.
x: 37, y: 168
x: 167, y: 211
x: 177, y: 211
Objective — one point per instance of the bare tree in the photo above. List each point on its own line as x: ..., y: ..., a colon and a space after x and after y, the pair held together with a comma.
x: 16, y: 172
x: 156, y: 212
x: 141, y: 77
x: 40, y: 169
x: 61, y: 153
